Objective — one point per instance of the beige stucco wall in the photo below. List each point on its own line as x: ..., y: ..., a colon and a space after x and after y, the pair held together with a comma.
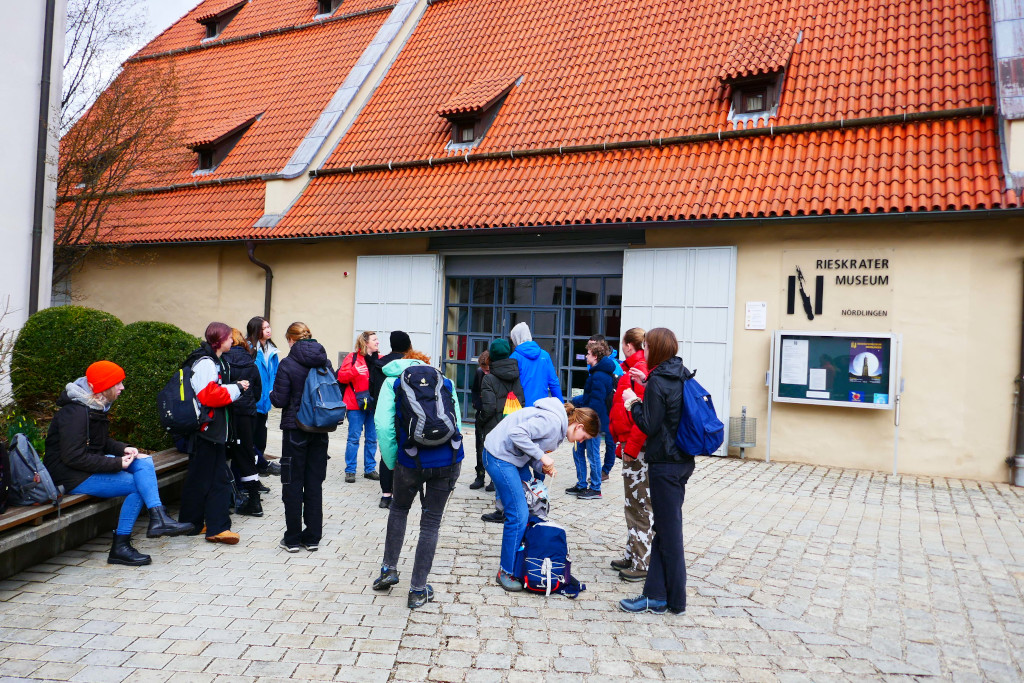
x: 956, y: 299
x: 190, y: 286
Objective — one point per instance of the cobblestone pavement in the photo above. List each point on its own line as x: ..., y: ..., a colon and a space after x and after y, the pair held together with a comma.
x: 796, y: 573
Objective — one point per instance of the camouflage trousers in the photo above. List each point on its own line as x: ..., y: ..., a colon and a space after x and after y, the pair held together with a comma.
x: 638, y: 512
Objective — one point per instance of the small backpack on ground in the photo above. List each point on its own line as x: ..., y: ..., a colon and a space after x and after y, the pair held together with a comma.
x: 427, y: 408
x: 176, y: 405
x: 31, y: 484
x: 542, y: 561
x: 5, y: 477
x: 322, y: 407
x: 700, y: 432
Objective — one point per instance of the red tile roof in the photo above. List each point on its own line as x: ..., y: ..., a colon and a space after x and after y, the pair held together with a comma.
x: 478, y: 95
x: 931, y: 166
x: 757, y: 55
x: 214, y: 8
x: 221, y: 130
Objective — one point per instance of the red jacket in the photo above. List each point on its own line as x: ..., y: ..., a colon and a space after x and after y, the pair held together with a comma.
x: 624, y: 430
x: 354, y: 375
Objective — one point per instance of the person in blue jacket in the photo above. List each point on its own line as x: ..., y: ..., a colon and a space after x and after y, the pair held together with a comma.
x: 258, y: 333
x: 598, y: 389
x: 536, y: 371
x: 432, y: 474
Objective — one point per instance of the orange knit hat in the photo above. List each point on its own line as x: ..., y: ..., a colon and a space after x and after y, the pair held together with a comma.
x: 103, y: 374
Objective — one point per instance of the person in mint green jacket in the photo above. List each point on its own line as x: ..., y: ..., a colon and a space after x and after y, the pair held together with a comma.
x: 433, y: 474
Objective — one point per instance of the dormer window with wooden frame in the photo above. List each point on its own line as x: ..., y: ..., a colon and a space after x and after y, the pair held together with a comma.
x: 754, y: 72
x: 219, y: 15
x: 472, y: 111
x: 325, y: 8
x: 212, y: 148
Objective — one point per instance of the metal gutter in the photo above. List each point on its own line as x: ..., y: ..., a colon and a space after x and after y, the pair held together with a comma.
x: 41, y: 140
x: 250, y: 247
x: 722, y: 135
x: 260, y: 34
x: 165, y: 188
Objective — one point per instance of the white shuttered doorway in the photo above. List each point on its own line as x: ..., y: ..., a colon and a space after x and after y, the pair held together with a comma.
x: 691, y: 292
x: 400, y: 293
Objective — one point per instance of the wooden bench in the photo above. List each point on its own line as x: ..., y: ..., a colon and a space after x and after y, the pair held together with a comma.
x: 31, y: 534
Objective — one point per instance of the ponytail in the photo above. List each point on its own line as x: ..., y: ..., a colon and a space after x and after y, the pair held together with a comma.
x: 584, y: 416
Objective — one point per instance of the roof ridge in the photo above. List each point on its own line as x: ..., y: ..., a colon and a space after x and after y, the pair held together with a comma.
x: 259, y: 34
x: 764, y: 131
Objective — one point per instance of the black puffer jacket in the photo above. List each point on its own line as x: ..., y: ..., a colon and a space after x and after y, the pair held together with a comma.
x: 77, y: 442
x: 377, y: 377
x: 291, y: 378
x: 658, y: 415
x: 244, y: 367
x: 494, y: 389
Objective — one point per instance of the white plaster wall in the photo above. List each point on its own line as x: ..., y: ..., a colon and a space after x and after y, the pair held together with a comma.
x: 21, y: 57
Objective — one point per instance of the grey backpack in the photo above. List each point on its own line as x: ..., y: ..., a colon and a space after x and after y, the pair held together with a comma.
x: 31, y: 484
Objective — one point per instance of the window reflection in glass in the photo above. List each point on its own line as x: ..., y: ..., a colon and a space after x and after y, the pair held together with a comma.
x: 458, y: 319
x: 612, y: 323
x: 587, y: 292
x: 483, y: 291
x: 520, y: 291
x: 549, y: 291
x: 483, y: 320
x: 613, y: 291
x: 458, y: 290
x: 544, y: 322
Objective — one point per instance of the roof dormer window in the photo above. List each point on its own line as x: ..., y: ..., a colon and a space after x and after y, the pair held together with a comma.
x: 218, y: 16
x: 753, y: 73
x: 473, y: 110
x: 214, y: 146
x: 325, y: 8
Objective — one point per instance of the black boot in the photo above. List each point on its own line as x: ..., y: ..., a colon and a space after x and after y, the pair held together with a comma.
x: 252, y: 506
x: 122, y: 552
x: 162, y: 524
x: 478, y: 483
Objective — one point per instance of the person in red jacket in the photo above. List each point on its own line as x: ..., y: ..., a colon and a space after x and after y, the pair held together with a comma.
x: 629, y: 446
x: 354, y: 376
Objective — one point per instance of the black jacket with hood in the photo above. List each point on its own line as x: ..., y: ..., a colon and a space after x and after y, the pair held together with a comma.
x: 377, y: 377
x: 243, y: 366
x: 78, y: 442
x: 659, y: 413
x: 494, y: 390
x: 291, y: 378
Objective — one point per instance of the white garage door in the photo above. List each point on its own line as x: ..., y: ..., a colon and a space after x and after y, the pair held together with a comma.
x: 400, y: 293
x: 691, y: 292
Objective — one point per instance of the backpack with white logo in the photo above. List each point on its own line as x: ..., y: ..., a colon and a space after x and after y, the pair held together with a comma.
x: 31, y: 484
x: 322, y: 407
x: 700, y: 432
x: 427, y: 408
x: 542, y: 561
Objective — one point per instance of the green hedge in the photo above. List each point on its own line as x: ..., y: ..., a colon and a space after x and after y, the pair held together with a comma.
x: 55, y: 347
x: 149, y: 352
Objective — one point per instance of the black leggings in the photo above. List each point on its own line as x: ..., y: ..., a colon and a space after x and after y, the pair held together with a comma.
x: 241, y: 452
x: 439, y: 482
x: 387, y: 477
x: 206, y: 496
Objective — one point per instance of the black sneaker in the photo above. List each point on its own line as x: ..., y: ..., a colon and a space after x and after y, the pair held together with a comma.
x: 311, y: 547
x: 420, y: 598
x: 261, y: 488
x: 289, y: 548
x: 588, y: 494
x: 388, y: 578
x: 497, y: 516
x: 350, y: 477
x: 575, y: 490
x: 385, y: 502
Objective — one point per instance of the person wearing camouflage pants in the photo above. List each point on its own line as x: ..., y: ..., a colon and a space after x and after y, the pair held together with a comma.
x: 638, y: 516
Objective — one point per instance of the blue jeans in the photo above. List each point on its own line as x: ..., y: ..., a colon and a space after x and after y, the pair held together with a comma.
x: 609, y: 452
x: 137, y: 484
x: 583, y: 452
x: 508, y: 485
x: 358, y: 421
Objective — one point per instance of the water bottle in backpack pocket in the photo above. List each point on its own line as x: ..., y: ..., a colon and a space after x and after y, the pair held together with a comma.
x: 31, y: 484
x: 322, y: 407
x: 700, y: 432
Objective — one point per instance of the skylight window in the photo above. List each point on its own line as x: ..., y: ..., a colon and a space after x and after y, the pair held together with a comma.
x: 326, y: 7
x: 754, y: 70
x: 472, y: 111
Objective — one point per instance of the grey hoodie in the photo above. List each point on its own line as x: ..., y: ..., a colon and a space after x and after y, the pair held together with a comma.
x: 524, y: 436
x: 520, y: 333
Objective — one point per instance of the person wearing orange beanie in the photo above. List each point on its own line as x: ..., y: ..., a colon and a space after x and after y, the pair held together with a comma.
x: 82, y: 458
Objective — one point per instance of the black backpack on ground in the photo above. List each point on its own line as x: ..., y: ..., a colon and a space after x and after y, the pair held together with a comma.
x: 427, y: 407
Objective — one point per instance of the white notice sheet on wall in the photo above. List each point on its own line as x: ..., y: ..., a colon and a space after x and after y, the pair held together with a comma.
x: 794, y: 361
x: 757, y: 315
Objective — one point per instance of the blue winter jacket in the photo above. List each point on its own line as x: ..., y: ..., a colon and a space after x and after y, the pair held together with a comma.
x: 599, y: 386
x: 536, y: 373
x: 267, y: 364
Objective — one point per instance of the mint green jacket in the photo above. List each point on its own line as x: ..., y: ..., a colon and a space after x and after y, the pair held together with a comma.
x: 384, y: 413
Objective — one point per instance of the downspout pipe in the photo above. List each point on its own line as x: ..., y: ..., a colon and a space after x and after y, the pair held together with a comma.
x: 1018, y: 461
x: 251, y: 248
x: 41, y: 140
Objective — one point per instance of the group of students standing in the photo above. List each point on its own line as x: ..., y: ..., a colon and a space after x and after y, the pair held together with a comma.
x: 521, y: 419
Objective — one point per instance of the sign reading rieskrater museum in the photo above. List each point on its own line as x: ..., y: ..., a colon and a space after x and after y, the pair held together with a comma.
x: 837, y: 289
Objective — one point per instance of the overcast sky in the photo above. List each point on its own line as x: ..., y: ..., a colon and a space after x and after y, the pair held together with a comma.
x: 161, y: 14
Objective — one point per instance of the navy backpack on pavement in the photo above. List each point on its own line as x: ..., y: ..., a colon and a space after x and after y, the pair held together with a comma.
x: 542, y: 561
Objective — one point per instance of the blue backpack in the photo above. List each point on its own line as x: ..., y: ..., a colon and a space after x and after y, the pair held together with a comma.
x: 700, y: 432
x: 542, y: 561
x: 322, y: 407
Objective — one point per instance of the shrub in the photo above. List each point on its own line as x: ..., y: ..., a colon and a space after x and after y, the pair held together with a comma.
x: 55, y: 347
x: 149, y: 352
x: 18, y: 423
